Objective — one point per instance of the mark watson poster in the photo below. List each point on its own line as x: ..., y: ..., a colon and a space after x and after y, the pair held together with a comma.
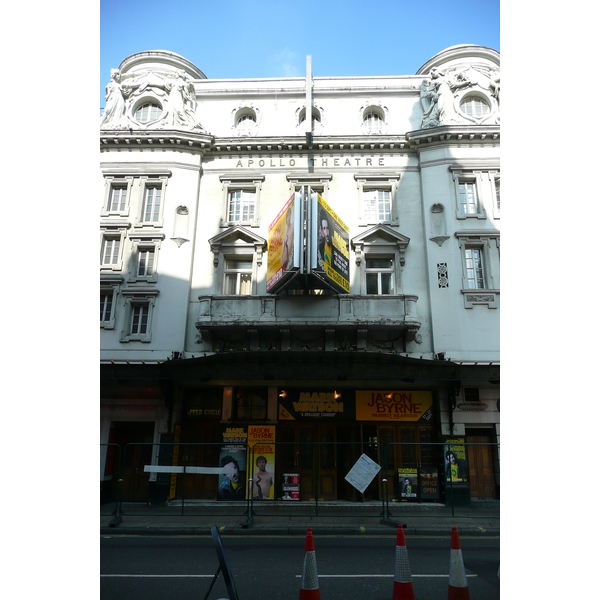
x: 232, y: 486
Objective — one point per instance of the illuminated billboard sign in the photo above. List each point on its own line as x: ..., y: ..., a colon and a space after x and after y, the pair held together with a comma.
x: 330, y: 236
x: 284, y: 244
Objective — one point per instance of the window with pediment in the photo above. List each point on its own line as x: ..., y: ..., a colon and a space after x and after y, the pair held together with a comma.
x: 380, y: 256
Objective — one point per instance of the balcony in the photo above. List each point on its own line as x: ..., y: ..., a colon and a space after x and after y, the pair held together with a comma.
x: 288, y: 319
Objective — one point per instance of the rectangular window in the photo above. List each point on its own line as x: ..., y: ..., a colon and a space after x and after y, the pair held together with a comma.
x: 145, y: 262
x: 377, y: 205
x: 238, y: 276
x: 474, y: 265
x: 241, y: 206
x: 118, y: 196
x: 380, y: 276
x: 152, y: 201
x: 139, y: 319
x: 468, y: 198
x: 106, y: 300
x: 110, y: 250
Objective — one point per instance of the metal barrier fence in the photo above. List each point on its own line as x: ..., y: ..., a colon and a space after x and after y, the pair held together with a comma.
x: 134, y: 490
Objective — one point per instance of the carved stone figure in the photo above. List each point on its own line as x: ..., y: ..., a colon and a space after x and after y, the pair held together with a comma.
x: 175, y: 91
x: 182, y: 100
x: 114, y: 111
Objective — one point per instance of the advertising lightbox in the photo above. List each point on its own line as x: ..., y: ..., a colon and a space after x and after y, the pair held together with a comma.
x: 284, y: 243
x: 330, y: 237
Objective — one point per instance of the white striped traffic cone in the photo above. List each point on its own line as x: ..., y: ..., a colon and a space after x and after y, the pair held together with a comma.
x: 457, y: 582
x: 309, y: 585
x: 403, y: 586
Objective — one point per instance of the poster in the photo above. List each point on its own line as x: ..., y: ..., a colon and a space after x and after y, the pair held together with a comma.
x: 393, y: 405
x: 309, y: 404
x: 261, y: 445
x: 408, y: 482
x: 330, y: 243
x: 455, y: 460
x: 290, y: 486
x: 362, y: 473
x: 428, y: 483
x: 284, y: 244
x: 232, y: 484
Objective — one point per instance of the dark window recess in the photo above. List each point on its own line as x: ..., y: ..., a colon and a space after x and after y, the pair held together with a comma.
x: 250, y: 405
x: 472, y: 395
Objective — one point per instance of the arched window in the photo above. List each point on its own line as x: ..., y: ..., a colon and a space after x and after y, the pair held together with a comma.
x: 373, y: 119
x: 246, y: 122
x: 316, y: 116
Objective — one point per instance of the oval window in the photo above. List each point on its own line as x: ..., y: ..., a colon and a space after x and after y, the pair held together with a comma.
x: 148, y: 112
x: 474, y: 106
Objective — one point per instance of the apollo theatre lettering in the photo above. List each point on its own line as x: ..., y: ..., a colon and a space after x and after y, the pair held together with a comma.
x: 310, y: 161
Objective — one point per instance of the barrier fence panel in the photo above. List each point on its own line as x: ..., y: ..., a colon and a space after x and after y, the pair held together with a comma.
x: 178, y: 478
x: 463, y: 462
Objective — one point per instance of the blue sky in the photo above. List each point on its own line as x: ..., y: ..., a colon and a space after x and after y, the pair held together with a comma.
x: 267, y: 38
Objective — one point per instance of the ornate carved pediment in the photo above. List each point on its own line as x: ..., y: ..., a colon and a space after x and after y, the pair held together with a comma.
x: 382, y: 238
x: 237, y: 238
x: 150, y: 99
x: 461, y: 94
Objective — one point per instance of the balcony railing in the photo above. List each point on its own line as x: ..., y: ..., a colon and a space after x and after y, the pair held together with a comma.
x: 331, y: 311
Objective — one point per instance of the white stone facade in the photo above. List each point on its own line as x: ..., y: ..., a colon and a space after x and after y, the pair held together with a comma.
x: 412, y: 165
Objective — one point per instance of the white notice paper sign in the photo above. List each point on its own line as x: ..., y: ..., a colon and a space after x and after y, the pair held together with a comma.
x: 362, y: 473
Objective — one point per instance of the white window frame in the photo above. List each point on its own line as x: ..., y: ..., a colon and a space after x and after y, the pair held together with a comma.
x: 138, y: 298
x: 143, y: 242
x: 317, y: 183
x: 381, y: 271
x: 370, y: 183
x: 238, y: 272
x: 110, y: 286
x: 488, y: 244
x: 495, y: 184
x: 112, y: 183
x: 146, y: 183
x: 112, y: 231
x: 232, y: 184
x: 461, y: 177
x: 147, y: 102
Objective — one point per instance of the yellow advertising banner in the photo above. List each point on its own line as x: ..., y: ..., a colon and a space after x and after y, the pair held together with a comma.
x: 261, y: 439
x: 281, y: 239
x: 392, y: 405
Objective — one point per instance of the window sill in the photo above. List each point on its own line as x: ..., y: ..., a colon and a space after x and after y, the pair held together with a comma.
x: 482, y: 297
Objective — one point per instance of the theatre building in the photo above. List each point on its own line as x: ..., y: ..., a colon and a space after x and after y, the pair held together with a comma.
x: 313, y: 289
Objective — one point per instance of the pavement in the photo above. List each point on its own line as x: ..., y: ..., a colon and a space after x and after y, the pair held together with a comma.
x: 480, y: 517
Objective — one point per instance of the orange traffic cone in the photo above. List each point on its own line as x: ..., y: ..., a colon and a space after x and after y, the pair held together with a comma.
x: 457, y: 582
x: 309, y: 585
x: 403, y: 586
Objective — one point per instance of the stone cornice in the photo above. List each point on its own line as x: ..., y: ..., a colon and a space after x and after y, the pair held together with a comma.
x: 453, y: 134
x: 319, y: 144
x: 412, y: 141
x: 155, y: 138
